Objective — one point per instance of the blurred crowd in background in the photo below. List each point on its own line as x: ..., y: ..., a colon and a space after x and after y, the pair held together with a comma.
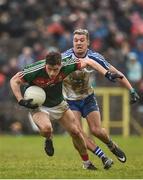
x: 31, y: 28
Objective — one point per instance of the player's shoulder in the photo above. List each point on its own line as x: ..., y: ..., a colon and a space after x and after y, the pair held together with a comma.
x: 98, y: 58
x: 67, y: 57
x: 35, y: 66
x: 95, y: 55
x: 67, y: 53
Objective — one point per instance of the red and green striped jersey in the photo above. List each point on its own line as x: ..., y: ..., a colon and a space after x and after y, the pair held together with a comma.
x: 35, y: 74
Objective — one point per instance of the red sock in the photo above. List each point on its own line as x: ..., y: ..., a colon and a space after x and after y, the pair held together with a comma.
x: 85, y: 157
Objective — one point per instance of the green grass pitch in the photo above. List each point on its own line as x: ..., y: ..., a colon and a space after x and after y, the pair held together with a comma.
x: 23, y: 157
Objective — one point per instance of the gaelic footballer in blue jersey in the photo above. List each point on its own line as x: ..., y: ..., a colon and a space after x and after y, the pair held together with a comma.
x: 80, y: 96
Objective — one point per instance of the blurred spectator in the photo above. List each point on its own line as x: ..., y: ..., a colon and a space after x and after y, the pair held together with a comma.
x: 2, y: 79
x: 134, y: 69
x: 139, y: 50
x: 38, y: 51
x: 26, y: 57
x: 10, y: 68
x: 16, y: 128
x: 3, y: 87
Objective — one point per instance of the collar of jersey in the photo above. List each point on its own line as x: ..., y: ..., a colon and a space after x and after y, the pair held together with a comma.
x: 80, y: 57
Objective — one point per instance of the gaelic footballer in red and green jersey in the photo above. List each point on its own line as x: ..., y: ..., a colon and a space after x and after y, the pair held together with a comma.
x: 35, y: 74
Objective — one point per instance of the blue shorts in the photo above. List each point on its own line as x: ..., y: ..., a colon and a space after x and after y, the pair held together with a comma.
x: 84, y: 106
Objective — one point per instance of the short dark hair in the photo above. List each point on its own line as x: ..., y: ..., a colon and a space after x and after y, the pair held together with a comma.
x: 53, y: 58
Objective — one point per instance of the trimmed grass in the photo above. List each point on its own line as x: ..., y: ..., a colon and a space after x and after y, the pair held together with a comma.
x: 23, y: 157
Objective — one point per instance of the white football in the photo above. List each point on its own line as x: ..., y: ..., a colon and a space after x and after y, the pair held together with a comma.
x: 36, y: 93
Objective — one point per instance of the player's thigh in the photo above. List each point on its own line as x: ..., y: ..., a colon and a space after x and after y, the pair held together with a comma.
x: 41, y: 119
x: 78, y: 117
x: 94, y: 119
x: 68, y: 121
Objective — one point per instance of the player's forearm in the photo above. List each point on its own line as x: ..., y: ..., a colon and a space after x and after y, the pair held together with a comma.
x: 124, y: 81
x: 96, y: 66
x: 15, y: 86
x: 134, y: 97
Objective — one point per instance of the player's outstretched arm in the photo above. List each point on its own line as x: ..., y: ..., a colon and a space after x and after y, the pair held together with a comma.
x: 89, y: 62
x: 109, y: 75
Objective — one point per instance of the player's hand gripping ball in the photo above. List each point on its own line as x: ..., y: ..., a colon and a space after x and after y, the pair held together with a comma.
x: 34, y: 96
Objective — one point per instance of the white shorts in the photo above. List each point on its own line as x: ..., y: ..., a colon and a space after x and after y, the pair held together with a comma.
x: 56, y: 112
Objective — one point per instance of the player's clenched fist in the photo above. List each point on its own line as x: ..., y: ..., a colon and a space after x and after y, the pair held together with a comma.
x: 134, y: 97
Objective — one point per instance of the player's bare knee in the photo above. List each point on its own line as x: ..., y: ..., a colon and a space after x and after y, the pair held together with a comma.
x: 46, y: 131
x: 74, y: 132
x: 96, y: 131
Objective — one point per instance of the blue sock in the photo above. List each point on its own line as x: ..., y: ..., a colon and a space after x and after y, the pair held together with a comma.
x: 98, y: 151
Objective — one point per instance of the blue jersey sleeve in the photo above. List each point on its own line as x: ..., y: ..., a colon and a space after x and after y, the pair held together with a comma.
x: 67, y: 54
x: 99, y: 58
